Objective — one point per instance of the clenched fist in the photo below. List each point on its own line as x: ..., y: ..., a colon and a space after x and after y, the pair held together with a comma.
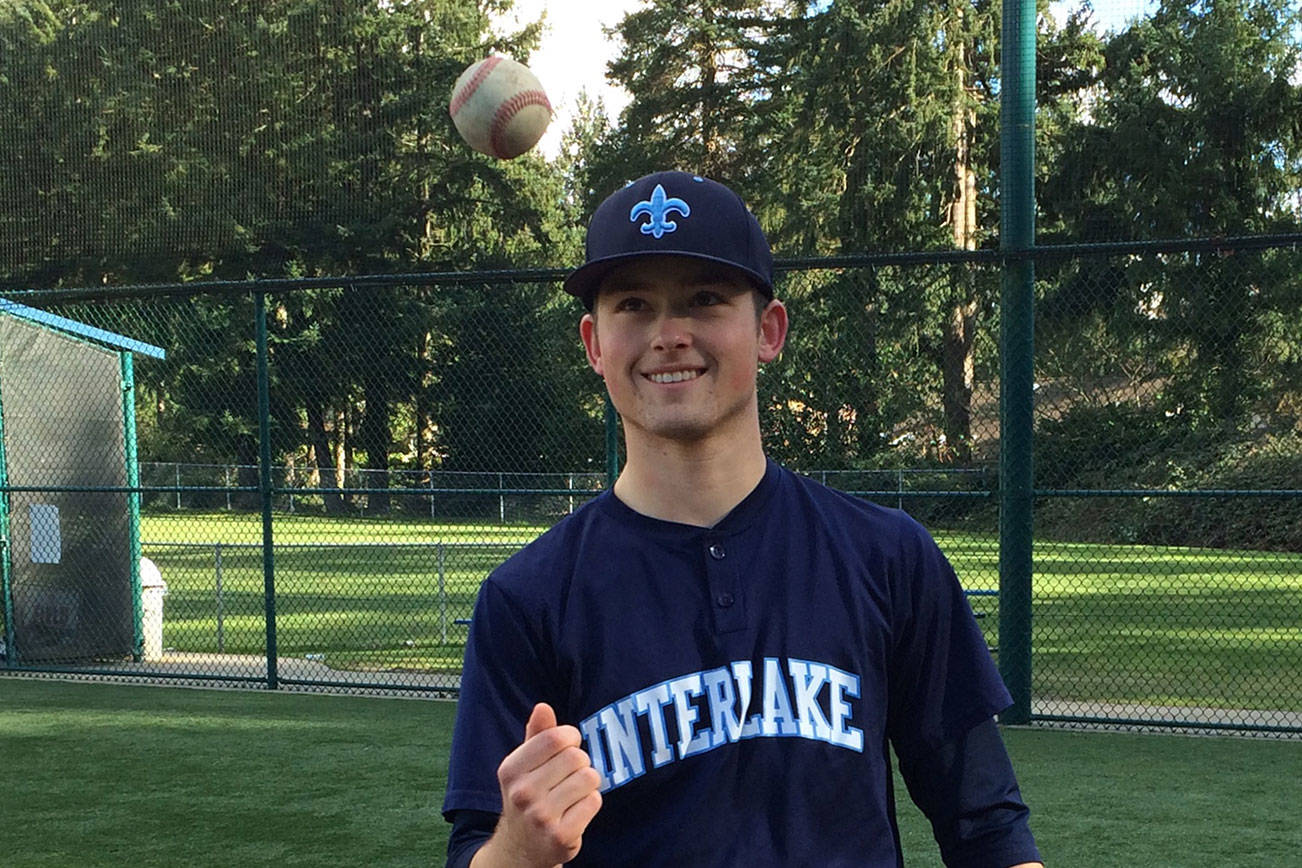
x: 549, y: 795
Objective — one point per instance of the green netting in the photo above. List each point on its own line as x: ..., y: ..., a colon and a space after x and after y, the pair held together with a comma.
x: 70, y: 576
x: 425, y: 423
x: 1165, y: 556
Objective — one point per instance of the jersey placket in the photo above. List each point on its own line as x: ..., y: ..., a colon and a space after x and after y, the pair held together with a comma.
x: 727, y: 603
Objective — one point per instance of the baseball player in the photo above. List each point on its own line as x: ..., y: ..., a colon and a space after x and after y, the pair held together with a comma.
x: 708, y: 665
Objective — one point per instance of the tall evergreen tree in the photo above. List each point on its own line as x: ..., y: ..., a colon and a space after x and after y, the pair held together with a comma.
x: 689, y: 64
x: 1194, y: 129
x: 886, y: 145
x: 279, y: 138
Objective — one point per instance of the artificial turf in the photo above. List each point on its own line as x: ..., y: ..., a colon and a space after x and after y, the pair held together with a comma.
x: 98, y: 774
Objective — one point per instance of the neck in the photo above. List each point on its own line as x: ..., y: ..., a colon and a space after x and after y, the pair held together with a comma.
x: 695, y: 483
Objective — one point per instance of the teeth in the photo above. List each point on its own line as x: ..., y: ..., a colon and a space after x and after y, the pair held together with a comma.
x: 675, y: 377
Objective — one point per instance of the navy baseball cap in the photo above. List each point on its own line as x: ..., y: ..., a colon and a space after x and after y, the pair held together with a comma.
x: 678, y: 214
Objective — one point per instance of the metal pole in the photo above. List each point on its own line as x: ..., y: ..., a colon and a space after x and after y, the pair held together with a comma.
x: 221, y: 602
x: 1016, y: 351
x: 265, y: 484
x: 612, y: 444
x: 133, y: 499
x: 226, y: 469
x: 10, y: 653
x: 177, y: 468
x: 501, y: 500
x: 431, y: 495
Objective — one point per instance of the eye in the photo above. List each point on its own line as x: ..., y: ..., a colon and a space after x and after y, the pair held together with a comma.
x: 706, y: 298
x: 630, y: 303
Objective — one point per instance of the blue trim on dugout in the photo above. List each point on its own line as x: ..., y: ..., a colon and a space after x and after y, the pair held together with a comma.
x: 80, y: 329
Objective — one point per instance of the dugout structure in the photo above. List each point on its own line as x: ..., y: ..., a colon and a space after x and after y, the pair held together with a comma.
x: 69, y: 529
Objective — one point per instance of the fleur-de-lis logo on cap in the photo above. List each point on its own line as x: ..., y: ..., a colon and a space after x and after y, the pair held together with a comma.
x: 658, y: 207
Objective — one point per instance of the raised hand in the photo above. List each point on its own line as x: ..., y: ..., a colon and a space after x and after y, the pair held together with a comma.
x: 549, y: 796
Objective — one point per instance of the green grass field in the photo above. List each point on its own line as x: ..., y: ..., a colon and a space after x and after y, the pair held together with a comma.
x: 1117, y: 624
x: 112, y: 775
x: 365, y: 594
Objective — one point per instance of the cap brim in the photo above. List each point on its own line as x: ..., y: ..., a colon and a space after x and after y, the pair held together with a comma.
x: 584, y: 281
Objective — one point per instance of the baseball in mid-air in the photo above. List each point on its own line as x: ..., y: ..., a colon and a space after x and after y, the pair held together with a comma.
x: 499, y: 107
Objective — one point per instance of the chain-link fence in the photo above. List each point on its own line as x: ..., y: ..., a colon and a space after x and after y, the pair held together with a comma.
x: 501, y: 497
x: 323, y: 489
x: 309, y: 486
x: 1168, y: 467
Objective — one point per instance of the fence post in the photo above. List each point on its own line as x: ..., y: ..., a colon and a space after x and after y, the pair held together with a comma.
x: 226, y: 469
x: 501, y: 500
x: 133, y: 499
x: 221, y: 602
x: 177, y: 468
x: 265, y: 484
x: 1016, y: 353
x: 612, y: 443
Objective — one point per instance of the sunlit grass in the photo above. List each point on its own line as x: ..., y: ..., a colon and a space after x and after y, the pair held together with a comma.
x: 246, y: 528
x: 1111, y: 623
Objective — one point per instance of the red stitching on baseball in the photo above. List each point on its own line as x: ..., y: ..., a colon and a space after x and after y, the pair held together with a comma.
x: 471, y: 86
x: 506, y: 111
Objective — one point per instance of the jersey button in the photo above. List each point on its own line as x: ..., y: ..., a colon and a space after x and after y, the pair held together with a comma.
x: 724, y: 600
x: 717, y: 552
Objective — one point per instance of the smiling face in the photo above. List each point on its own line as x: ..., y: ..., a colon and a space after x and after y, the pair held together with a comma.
x: 678, y: 342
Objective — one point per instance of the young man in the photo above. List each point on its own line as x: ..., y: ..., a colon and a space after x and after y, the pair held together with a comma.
x: 707, y: 665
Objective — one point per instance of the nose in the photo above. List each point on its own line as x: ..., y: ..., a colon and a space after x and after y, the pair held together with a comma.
x: 671, y: 331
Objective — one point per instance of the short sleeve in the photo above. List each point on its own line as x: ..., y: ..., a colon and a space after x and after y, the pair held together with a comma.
x: 470, y: 831
x: 942, y: 680
x: 501, y: 681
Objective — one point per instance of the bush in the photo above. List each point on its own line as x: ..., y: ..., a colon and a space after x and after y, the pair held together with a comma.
x: 1122, y: 447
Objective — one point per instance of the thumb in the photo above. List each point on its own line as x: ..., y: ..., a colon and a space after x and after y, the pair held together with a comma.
x: 543, y: 717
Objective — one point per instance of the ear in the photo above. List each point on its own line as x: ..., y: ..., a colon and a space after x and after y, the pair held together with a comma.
x: 588, y: 332
x: 772, y: 330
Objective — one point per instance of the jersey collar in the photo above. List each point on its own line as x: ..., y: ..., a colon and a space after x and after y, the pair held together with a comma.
x: 741, y: 517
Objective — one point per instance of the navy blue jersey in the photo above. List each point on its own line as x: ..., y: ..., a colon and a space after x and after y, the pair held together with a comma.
x: 737, y: 687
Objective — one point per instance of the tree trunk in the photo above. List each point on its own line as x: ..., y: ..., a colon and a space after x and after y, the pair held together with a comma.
x: 710, y: 147
x: 958, y: 364
x: 958, y: 376
x: 343, y: 452
x: 374, y: 436
x: 323, y: 456
x: 419, y: 409
x: 247, y: 474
